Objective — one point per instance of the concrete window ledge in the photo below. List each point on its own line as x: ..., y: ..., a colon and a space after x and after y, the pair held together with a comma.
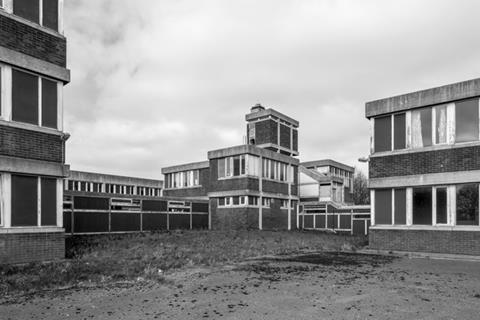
x: 17, y: 230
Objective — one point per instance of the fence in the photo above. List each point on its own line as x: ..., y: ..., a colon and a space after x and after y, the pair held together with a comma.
x: 96, y: 214
x: 353, y: 219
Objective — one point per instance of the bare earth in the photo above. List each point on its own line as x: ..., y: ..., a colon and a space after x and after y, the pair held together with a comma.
x: 310, y: 286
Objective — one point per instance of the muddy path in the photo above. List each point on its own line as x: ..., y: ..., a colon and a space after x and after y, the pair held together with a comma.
x: 308, y: 286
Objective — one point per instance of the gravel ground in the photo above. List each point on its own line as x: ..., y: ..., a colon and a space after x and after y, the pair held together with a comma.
x: 310, y: 286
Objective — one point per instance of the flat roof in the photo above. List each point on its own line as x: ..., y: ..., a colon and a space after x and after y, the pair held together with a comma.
x: 271, y: 112
x: 327, y: 162
x: 251, y: 149
x: 110, y: 178
x: 186, y: 166
x: 423, y: 98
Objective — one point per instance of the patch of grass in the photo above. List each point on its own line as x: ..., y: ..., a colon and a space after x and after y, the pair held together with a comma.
x: 106, y: 259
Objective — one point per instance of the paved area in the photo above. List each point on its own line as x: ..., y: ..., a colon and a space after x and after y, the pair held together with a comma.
x: 313, y: 286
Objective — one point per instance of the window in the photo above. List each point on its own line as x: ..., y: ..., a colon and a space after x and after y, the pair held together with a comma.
x: 236, y: 201
x: 1, y: 201
x: 422, y: 128
x: 266, y: 202
x: 253, y: 201
x: 422, y: 206
x: 399, y: 130
x: 182, y: 179
x: 440, y: 124
x: 30, y: 10
x: 24, y: 201
x: 441, y: 205
x: 48, y: 202
x: 466, y: 120
x: 467, y: 204
x: 400, y: 207
x: 221, y: 202
x: 383, y: 134
x: 25, y: 102
x: 383, y: 206
x: 284, y: 204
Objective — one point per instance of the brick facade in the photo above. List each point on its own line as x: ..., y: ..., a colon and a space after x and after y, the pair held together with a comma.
x: 266, y: 131
x: 31, y: 247
x: 438, y: 161
x: 244, y: 218
x: 28, y: 40
x: 440, y: 241
x: 22, y: 143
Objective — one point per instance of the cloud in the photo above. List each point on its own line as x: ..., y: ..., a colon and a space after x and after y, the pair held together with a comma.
x: 158, y: 83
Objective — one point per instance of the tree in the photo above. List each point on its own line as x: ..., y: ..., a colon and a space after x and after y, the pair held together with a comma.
x: 361, y: 194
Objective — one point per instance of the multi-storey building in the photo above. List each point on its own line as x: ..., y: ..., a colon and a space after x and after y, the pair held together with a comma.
x: 424, y: 170
x: 252, y: 186
x: 32, y: 141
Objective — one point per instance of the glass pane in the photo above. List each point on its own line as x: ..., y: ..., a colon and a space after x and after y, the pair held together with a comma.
x: 49, y: 202
x: 441, y: 124
x: 466, y: 120
x: 221, y: 201
x: 24, y: 201
x: 400, y: 206
x: 228, y: 164
x: 383, y: 134
x: 24, y: 97
x: 399, y: 131
x: 467, y: 204
x: 50, y: 14
x: 221, y: 168
x: 28, y: 9
x: 441, y: 205
x: 242, y: 164
x: 422, y: 206
x: 236, y: 200
x: 422, y: 128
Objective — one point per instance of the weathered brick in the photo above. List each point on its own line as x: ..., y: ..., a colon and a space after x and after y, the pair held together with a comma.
x: 31, y: 247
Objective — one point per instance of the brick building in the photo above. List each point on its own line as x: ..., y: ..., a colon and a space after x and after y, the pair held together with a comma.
x: 32, y: 142
x: 424, y: 170
x: 251, y: 186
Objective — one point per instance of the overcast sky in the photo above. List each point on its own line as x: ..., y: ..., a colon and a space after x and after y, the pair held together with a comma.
x: 157, y: 83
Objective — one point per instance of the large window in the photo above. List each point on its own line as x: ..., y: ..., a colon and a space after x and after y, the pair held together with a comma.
x: 238, y: 166
x: 467, y: 204
x: 441, y: 124
x: 184, y: 179
x: 26, y: 105
x: 30, y: 10
x: 26, y: 195
x: 383, y: 206
x: 399, y: 128
x: 275, y: 170
x: 383, y: 134
x: 400, y: 207
x: 422, y: 127
x: 466, y: 120
x: 422, y: 206
x: 238, y: 201
x: 441, y: 205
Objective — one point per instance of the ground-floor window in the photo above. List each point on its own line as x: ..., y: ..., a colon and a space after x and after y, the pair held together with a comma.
x: 428, y: 205
x: 33, y: 201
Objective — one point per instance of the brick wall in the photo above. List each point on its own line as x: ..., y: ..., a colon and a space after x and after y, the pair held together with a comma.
x: 439, y: 161
x: 266, y: 132
x: 28, y: 40
x: 21, y: 143
x: 451, y: 242
x: 275, y: 187
x: 31, y: 247
x: 233, y: 218
x: 275, y: 218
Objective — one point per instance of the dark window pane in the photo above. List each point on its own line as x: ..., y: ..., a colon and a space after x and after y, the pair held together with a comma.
x: 236, y: 166
x: 24, y: 97
x: 236, y: 200
x: 466, y: 120
x: 242, y: 159
x: 0, y: 89
x: 49, y: 103
x: 422, y: 206
x: 50, y: 14
x: 400, y: 206
x: 441, y: 205
x: 467, y: 204
x: 221, y: 201
x: 49, y: 202
x: 399, y: 131
x: 383, y: 134
x: 24, y: 201
x: 28, y: 9
x: 383, y: 206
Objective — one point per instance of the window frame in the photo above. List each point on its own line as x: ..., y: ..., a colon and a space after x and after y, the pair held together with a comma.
x: 58, y: 29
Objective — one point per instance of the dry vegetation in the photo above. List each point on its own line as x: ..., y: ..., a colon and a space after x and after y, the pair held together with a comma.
x: 98, y: 260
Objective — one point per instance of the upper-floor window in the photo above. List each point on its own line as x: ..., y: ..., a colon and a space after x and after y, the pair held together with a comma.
x: 276, y: 170
x: 466, y: 120
x: 34, y: 99
x: 184, y: 179
x: 238, y: 166
x: 43, y: 12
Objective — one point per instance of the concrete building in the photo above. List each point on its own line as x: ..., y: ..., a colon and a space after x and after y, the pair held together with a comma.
x: 424, y: 170
x: 104, y: 203
x: 32, y: 141
x: 251, y: 186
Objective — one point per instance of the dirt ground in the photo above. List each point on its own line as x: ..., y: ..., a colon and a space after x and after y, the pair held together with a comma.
x: 309, y: 286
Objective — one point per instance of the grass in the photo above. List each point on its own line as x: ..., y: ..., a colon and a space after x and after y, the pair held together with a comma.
x: 136, y: 257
